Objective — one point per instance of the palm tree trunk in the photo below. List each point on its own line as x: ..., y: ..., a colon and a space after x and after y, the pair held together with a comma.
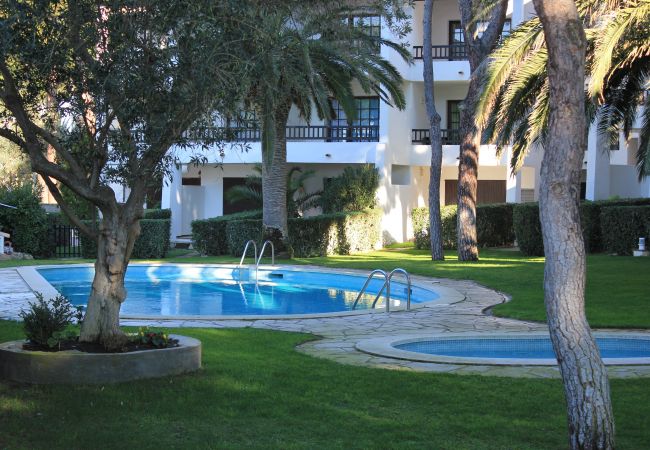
x: 274, y: 174
x: 435, y: 221
x: 586, y: 386
x: 117, y: 235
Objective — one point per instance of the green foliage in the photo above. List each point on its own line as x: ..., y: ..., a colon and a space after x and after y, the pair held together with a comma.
x: 43, y: 319
x: 337, y: 233
x: 28, y: 225
x: 209, y: 236
x: 153, y: 241
x: 354, y: 190
x: 622, y: 226
x: 493, y: 224
x: 150, y: 338
x: 15, y: 169
x: 239, y: 232
x: 157, y: 214
x: 528, y: 229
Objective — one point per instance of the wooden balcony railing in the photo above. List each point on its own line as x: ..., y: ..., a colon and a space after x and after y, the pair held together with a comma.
x: 453, y: 52
x: 421, y: 136
x: 293, y: 133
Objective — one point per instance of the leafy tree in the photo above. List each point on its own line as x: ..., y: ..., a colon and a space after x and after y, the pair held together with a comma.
x: 298, y: 200
x: 14, y: 166
x: 305, y: 55
x: 125, y: 80
x: 478, y: 45
x: 354, y: 190
x: 586, y: 387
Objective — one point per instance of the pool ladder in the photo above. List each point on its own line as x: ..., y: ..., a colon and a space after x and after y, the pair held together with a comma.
x: 388, y: 277
x: 255, y: 258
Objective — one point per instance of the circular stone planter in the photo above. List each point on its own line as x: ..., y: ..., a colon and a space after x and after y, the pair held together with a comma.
x: 75, y: 367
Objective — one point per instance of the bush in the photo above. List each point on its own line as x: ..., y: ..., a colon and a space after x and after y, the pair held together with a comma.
x: 528, y: 229
x: 338, y: 233
x: 28, y: 225
x: 43, y: 321
x: 209, y: 235
x: 622, y: 226
x: 354, y: 190
x: 493, y: 226
x: 241, y: 231
x: 153, y: 241
x: 157, y: 214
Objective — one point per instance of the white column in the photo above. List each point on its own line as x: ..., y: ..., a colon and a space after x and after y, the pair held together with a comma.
x: 598, y: 178
x: 171, y: 196
x: 513, y: 188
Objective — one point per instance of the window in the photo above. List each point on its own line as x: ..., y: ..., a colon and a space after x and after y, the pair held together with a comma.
x: 364, y: 128
x: 371, y: 25
x: 239, y: 205
x: 453, y: 122
x: 457, y: 38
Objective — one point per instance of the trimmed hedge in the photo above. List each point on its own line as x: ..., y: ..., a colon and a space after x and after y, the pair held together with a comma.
x: 337, y: 233
x: 493, y: 226
x: 529, y: 233
x: 209, y: 235
x: 157, y: 214
x: 622, y: 226
x: 153, y: 241
x: 239, y: 232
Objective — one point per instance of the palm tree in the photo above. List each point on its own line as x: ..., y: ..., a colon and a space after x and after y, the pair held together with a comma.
x: 306, y: 56
x: 298, y: 200
x: 514, y: 105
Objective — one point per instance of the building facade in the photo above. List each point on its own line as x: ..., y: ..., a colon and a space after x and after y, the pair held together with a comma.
x: 395, y: 142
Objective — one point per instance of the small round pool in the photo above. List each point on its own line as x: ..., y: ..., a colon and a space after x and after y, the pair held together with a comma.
x: 209, y: 290
x: 519, y: 349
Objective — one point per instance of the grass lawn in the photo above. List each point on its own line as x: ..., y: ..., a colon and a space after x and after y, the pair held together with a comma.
x: 255, y: 391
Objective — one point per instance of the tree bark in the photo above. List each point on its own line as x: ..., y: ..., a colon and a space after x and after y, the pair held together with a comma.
x: 478, y: 49
x: 116, y: 237
x: 274, y: 175
x: 586, y: 386
x: 435, y: 221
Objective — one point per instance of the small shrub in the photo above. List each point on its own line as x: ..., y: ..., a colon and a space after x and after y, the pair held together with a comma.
x: 528, y: 229
x: 354, y: 190
x: 209, y: 236
x: 420, y: 221
x: 43, y: 319
x: 156, y: 339
x: 622, y: 226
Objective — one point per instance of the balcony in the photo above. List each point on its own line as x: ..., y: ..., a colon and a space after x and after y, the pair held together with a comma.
x: 298, y: 133
x: 453, y: 52
x: 420, y: 136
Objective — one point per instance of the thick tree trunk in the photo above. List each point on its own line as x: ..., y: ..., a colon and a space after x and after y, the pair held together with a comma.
x: 274, y: 176
x: 468, y: 175
x: 435, y: 222
x: 101, y: 322
x: 586, y: 387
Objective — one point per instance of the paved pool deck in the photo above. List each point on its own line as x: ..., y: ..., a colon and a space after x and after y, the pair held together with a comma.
x: 339, y: 335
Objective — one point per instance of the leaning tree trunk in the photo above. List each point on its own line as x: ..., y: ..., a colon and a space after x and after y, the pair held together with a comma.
x: 274, y: 175
x: 435, y: 221
x: 468, y: 174
x: 586, y: 387
x: 116, y: 237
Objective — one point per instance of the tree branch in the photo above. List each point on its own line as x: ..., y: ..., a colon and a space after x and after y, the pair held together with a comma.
x: 56, y: 193
x: 13, y: 137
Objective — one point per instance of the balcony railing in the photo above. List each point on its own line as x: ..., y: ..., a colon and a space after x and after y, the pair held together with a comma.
x: 293, y: 133
x: 453, y: 52
x: 421, y: 136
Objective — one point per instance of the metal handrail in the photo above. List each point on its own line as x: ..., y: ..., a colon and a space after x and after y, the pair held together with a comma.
x: 365, y: 286
x: 241, y: 261
x: 262, y: 253
x: 408, y: 287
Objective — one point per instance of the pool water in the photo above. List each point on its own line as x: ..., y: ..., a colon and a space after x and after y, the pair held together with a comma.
x: 218, y: 290
x: 523, y: 348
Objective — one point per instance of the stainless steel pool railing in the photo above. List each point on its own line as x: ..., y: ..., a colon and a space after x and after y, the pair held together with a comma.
x: 387, y: 281
x: 262, y: 253
x: 243, y: 256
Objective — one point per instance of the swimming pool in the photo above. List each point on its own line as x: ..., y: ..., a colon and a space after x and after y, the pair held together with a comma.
x: 225, y: 290
x: 515, y: 349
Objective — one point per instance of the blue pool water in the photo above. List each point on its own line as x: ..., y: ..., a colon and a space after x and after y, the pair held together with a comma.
x: 525, y: 348
x: 214, y: 291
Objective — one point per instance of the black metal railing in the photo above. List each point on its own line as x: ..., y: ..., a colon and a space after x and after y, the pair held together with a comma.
x: 68, y: 243
x: 421, y: 136
x: 293, y: 133
x: 453, y: 52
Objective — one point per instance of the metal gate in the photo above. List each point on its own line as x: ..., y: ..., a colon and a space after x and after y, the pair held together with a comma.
x: 68, y: 244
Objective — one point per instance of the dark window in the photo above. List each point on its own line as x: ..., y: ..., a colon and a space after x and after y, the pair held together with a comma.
x: 191, y: 181
x: 488, y: 191
x: 457, y: 37
x: 364, y: 127
x: 238, y: 206
x: 371, y: 25
x: 453, y: 117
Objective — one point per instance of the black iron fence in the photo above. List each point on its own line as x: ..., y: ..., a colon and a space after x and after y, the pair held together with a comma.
x: 453, y: 52
x: 421, y: 136
x: 352, y: 133
x: 66, y: 238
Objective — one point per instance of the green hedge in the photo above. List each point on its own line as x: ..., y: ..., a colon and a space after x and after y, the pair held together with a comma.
x: 209, y: 235
x: 157, y: 214
x: 241, y: 231
x: 353, y: 190
x: 337, y: 233
x: 622, y: 226
x: 529, y: 233
x: 153, y: 241
x: 493, y: 226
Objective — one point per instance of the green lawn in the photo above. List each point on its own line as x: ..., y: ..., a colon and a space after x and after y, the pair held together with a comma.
x: 255, y: 391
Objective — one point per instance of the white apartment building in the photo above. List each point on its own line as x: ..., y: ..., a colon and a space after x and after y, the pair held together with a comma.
x: 396, y: 143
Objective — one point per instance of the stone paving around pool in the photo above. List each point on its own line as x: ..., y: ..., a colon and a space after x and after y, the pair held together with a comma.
x: 338, y: 335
